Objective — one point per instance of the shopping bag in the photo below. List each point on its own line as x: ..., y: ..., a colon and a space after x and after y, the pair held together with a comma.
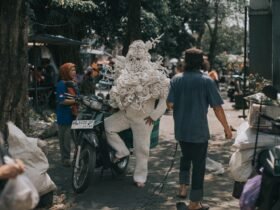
x: 250, y: 193
x: 19, y: 193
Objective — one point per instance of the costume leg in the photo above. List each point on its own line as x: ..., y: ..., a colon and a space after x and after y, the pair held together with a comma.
x: 185, y: 163
x: 199, y: 153
x: 114, y: 124
x: 141, y: 143
x: 64, y: 135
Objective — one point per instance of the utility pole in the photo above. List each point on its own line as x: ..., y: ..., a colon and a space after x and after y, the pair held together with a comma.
x: 275, y: 7
x: 245, y: 61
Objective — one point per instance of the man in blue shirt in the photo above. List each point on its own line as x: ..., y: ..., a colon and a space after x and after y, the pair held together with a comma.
x: 190, y: 95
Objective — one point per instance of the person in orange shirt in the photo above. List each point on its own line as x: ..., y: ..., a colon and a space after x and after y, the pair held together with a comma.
x: 211, y: 72
x: 214, y: 75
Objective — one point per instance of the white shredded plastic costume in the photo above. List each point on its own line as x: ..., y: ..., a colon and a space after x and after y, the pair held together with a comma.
x: 138, y: 84
x: 137, y: 78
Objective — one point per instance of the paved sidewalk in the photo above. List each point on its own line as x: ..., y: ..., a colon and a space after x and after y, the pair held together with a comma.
x: 218, y: 188
x: 106, y: 193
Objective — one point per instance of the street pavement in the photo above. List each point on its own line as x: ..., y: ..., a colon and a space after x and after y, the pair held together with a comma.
x: 109, y: 193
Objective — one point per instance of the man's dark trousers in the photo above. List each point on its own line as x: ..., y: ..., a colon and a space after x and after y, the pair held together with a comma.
x: 193, y: 154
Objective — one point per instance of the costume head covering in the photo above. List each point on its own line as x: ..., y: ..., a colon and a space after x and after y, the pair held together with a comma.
x: 137, y: 78
x: 65, y: 69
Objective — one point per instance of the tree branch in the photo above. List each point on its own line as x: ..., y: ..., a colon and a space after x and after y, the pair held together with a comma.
x: 209, y: 28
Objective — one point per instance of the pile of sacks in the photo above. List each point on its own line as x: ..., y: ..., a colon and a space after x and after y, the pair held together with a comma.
x: 240, y: 164
x: 30, y: 151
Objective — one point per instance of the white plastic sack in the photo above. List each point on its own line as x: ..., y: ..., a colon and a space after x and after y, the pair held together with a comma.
x: 36, y: 162
x: 240, y: 165
x: 19, y: 193
x: 246, y: 137
x: 214, y: 167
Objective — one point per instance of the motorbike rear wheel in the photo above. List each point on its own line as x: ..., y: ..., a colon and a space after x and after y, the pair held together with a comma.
x: 81, y: 176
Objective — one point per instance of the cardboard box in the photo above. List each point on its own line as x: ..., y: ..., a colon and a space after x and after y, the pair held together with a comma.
x: 254, y: 110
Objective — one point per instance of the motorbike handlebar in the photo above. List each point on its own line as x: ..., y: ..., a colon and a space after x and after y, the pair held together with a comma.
x: 94, y: 102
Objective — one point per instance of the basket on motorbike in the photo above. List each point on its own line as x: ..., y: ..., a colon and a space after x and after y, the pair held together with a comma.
x: 128, y: 136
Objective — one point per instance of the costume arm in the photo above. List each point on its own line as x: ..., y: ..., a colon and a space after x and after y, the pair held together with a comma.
x: 220, y: 114
x: 159, y: 110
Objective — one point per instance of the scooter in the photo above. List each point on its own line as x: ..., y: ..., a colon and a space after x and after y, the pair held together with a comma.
x: 92, y: 150
x: 267, y: 162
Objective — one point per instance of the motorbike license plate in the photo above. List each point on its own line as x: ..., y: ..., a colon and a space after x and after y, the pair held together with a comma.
x: 82, y: 124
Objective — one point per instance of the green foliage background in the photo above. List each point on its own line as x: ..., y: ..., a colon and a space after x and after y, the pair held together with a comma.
x: 183, y: 23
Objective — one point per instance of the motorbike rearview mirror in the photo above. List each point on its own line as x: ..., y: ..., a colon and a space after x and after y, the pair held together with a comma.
x: 270, y: 92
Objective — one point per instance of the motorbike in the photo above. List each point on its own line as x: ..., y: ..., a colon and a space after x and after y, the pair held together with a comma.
x: 92, y: 150
x: 266, y: 162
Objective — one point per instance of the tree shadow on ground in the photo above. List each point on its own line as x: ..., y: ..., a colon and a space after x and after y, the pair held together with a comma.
x: 108, y: 192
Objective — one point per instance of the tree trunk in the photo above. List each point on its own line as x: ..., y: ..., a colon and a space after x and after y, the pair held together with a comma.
x: 13, y: 63
x: 133, y: 25
x: 214, y: 36
x: 199, y: 38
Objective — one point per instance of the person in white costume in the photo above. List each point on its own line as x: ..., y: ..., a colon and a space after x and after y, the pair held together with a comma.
x: 139, y: 92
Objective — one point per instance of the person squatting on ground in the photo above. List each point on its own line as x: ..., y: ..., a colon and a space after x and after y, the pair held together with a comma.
x: 190, y: 95
x: 139, y: 84
x: 66, y: 109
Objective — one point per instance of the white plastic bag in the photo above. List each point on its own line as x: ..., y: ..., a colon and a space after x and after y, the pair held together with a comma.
x: 246, y: 137
x: 240, y: 165
x: 214, y: 167
x: 36, y: 162
x: 19, y: 193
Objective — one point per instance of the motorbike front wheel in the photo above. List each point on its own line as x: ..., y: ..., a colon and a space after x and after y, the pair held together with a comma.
x: 82, y: 174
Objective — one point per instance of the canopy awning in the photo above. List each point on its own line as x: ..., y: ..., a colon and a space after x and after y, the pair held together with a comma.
x: 54, y: 40
x: 92, y: 51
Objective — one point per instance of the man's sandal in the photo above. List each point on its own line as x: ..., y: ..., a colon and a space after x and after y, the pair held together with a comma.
x: 203, y: 207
